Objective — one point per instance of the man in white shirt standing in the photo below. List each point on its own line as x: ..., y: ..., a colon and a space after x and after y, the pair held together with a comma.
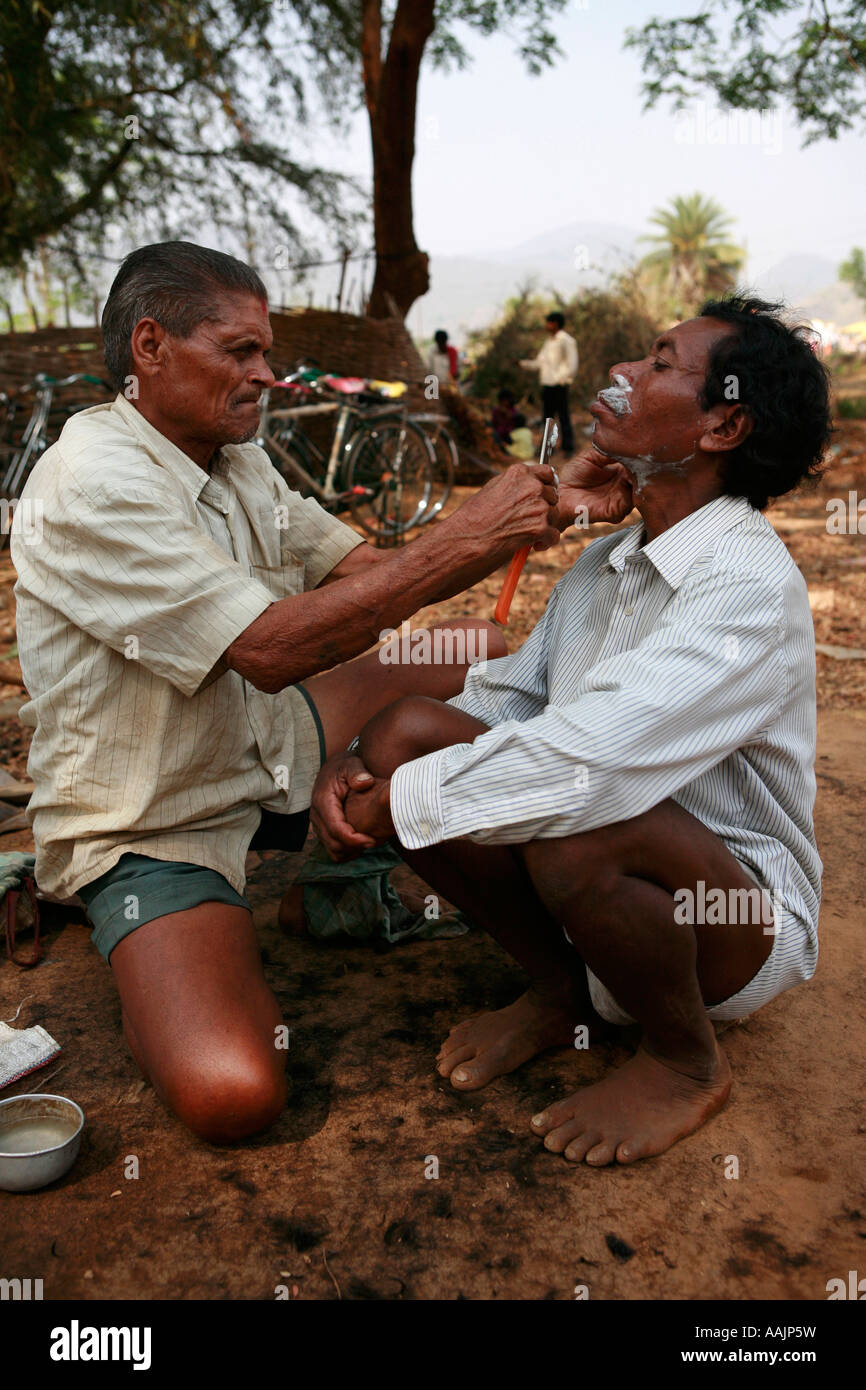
x: 625, y: 803
x: 556, y: 364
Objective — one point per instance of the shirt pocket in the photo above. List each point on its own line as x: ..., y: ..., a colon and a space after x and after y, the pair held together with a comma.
x: 282, y: 580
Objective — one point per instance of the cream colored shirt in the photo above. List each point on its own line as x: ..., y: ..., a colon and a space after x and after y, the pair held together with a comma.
x: 135, y: 572
x: 557, y: 360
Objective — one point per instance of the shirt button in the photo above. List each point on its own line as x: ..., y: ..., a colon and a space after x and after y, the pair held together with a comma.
x: 628, y: 610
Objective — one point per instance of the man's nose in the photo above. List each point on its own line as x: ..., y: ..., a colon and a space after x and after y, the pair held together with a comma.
x: 262, y: 375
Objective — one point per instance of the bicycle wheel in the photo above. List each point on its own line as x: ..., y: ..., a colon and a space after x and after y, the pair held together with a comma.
x: 288, y: 454
x: 447, y: 458
x: 389, y: 476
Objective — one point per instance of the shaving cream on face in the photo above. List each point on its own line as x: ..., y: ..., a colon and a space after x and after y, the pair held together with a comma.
x: 617, y: 395
x: 642, y: 467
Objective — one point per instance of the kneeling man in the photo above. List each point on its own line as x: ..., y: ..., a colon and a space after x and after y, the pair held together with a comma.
x: 625, y: 803
x: 186, y: 624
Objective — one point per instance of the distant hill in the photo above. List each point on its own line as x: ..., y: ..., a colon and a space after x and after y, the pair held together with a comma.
x: 467, y: 292
x: 809, y: 285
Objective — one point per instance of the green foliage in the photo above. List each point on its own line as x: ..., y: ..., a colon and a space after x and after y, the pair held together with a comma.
x: 123, y: 112
x: 753, y: 54
x: 526, y: 22
x: 693, y: 257
x: 853, y: 272
x: 851, y: 407
x: 329, y: 35
x: 611, y: 324
x: 161, y: 118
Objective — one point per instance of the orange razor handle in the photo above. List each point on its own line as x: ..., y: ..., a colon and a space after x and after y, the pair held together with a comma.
x: 518, y: 560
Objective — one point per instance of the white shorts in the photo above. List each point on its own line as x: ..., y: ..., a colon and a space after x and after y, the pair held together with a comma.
x: 791, y: 961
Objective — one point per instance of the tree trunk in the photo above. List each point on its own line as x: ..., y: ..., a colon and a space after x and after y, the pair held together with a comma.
x: 391, y: 90
x: 28, y: 298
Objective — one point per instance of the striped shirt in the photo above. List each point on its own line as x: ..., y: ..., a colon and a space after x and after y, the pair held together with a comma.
x: 142, y: 570
x: 683, y: 668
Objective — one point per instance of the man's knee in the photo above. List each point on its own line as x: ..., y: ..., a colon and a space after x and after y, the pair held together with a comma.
x: 228, y: 1097
x: 575, y: 880
x: 406, y: 729
x: 488, y: 643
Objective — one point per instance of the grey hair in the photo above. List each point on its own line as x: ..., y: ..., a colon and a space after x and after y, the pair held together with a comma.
x: 176, y: 283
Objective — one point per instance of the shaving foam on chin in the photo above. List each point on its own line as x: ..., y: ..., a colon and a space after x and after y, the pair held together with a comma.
x: 617, y: 395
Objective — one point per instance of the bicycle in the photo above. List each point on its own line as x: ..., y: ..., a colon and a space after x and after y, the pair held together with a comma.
x: 447, y: 458
x: 380, y: 465
x: 42, y: 428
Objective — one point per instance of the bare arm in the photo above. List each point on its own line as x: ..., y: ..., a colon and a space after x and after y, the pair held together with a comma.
x: 299, y: 636
x: 357, y: 560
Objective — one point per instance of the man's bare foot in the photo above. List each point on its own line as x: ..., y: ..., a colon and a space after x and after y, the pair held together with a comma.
x: 637, y: 1111
x: 492, y: 1044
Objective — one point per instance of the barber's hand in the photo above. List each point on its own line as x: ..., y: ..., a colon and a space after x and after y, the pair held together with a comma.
x: 517, y: 508
x: 369, y: 810
x: 599, y: 484
x: 338, y: 778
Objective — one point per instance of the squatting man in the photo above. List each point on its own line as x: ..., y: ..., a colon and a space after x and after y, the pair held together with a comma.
x: 652, y: 742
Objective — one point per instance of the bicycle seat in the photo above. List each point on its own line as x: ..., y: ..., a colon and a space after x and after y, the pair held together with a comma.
x: 390, y: 389
x: 345, y: 385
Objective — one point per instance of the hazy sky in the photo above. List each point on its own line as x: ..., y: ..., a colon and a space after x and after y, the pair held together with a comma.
x: 503, y: 156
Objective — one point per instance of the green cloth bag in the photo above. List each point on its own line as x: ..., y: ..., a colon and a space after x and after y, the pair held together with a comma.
x: 356, y: 899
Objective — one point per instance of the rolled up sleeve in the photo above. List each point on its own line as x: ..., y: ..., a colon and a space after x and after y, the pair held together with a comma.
x: 319, y: 539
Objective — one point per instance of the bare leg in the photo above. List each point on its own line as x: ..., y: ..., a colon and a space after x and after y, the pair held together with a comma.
x: 612, y: 891
x: 491, y: 885
x: 201, y: 1021
x: 352, y: 693
x: 348, y: 696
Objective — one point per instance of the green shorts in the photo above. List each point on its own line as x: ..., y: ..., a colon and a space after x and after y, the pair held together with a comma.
x: 139, y: 888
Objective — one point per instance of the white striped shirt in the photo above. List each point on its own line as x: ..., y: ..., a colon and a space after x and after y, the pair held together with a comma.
x: 145, y: 571
x: 683, y: 668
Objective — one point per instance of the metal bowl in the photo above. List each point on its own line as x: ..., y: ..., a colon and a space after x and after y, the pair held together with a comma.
x: 39, y: 1140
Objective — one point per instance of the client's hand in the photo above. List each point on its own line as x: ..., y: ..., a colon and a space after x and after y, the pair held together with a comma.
x: 368, y: 810
x: 337, y: 779
x: 593, y: 482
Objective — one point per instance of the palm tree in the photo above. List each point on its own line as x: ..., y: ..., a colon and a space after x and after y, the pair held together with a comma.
x: 693, y: 256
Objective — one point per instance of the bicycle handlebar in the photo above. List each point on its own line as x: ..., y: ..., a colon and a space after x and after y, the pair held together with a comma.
x: 45, y: 379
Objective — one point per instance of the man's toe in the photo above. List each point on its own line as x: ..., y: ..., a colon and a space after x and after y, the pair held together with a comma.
x: 447, y: 1061
x: 578, y: 1148
x: 601, y: 1153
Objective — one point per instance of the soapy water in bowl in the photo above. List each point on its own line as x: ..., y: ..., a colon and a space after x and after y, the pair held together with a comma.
x: 34, y: 1136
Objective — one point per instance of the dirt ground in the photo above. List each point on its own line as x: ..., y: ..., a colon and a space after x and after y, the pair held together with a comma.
x: 338, y: 1199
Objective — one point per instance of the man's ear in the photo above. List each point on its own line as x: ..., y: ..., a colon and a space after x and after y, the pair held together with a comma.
x: 147, y: 348
x: 728, y: 426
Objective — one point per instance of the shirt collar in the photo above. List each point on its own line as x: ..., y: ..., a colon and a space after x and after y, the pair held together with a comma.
x: 675, y: 551
x: 179, y: 464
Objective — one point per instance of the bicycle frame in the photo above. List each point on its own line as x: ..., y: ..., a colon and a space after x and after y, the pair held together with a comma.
x: 326, y: 491
x: 34, y: 440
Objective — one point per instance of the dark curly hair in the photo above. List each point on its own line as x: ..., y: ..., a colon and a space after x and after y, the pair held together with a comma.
x: 784, y: 387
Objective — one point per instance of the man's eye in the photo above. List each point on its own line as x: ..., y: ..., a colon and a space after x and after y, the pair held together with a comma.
x: 659, y: 365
